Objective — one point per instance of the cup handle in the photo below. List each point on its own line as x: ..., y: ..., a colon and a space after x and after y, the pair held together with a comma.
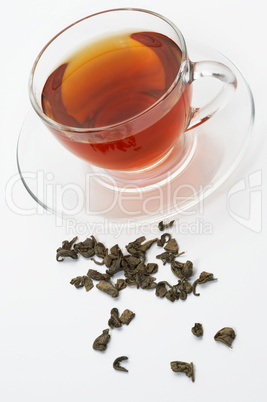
x: 216, y: 70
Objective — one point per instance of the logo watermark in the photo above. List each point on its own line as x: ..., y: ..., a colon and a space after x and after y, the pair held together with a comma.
x: 251, y: 189
x: 68, y: 201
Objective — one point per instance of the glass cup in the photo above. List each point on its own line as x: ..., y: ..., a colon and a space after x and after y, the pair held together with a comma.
x: 142, y: 123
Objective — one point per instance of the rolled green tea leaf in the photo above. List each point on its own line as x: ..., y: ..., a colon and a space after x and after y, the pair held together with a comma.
x: 127, y: 316
x: 108, y: 288
x: 182, y: 270
x: 101, y: 341
x: 97, y: 276
x: 114, y: 321
x: 86, y: 247
x: 197, y: 329
x: 172, y: 246
x: 182, y: 367
x: 161, y: 288
x: 203, y: 278
x: 225, y: 335
x: 66, y: 250
x: 121, y: 284
x: 164, y: 239
x: 116, y: 363
x: 81, y: 281
x: 162, y: 226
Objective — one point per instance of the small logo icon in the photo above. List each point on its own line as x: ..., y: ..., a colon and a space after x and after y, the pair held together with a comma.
x: 252, y: 188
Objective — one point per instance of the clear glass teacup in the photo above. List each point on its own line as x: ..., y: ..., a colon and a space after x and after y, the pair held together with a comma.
x: 115, y: 89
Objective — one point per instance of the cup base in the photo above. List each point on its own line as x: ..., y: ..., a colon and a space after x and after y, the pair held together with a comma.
x: 162, y: 172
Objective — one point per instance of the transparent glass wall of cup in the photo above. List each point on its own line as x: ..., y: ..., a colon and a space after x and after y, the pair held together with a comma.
x: 144, y: 139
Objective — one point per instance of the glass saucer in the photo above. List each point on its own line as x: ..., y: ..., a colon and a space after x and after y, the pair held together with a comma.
x: 70, y: 188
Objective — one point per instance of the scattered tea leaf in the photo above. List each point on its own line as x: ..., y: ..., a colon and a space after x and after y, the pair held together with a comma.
x: 66, y: 253
x: 197, y: 330
x: 182, y: 367
x: 137, y: 248
x: 116, y: 363
x: 166, y: 257
x: 172, y: 294
x: 86, y: 248
x: 172, y: 246
x: 225, y: 335
x: 115, y: 266
x: 81, y: 281
x: 163, y: 239
x: 161, y: 288
x: 162, y: 226
x: 127, y: 316
x: 66, y: 250
x: 184, y: 286
x: 114, y: 321
x: 203, y: 278
x: 78, y: 282
x: 182, y: 270
x: 97, y: 276
x: 67, y: 245
x: 101, y: 341
x: 100, y: 250
x: 108, y: 288
x: 151, y: 268
x: 145, y: 281
x: 120, y: 284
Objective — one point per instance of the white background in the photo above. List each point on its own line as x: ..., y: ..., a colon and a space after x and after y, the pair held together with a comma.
x: 47, y: 326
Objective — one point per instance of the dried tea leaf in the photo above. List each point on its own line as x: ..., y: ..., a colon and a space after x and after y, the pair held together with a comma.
x: 141, y: 266
x: 115, y: 251
x: 131, y: 282
x: 163, y: 239
x: 144, y: 247
x: 172, y: 246
x: 166, y: 257
x: 172, y: 294
x: 66, y: 251
x: 127, y: 316
x: 97, y: 276
x: 184, y: 286
x: 133, y: 247
x: 61, y: 252
x: 78, y: 282
x: 86, y: 248
x: 81, y: 281
x: 116, y: 363
x: 151, y: 268
x: 129, y: 262
x: 144, y: 281
x: 137, y: 248
x: 203, y: 278
x: 114, y: 321
x: 162, y: 226
x: 161, y: 288
x: 67, y: 245
x: 225, y: 335
x: 197, y: 330
x: 121, y: 284
x: 182, y: 270
x: 88, y: 284
x: 100, y: 250
x: 115, y: 266
x: 182, y: 367
x: 182, y: 295
x: 101, y: 341
x: 108, y: 288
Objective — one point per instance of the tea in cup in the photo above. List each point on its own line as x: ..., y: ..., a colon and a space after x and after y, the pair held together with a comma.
x: 115, y: 89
